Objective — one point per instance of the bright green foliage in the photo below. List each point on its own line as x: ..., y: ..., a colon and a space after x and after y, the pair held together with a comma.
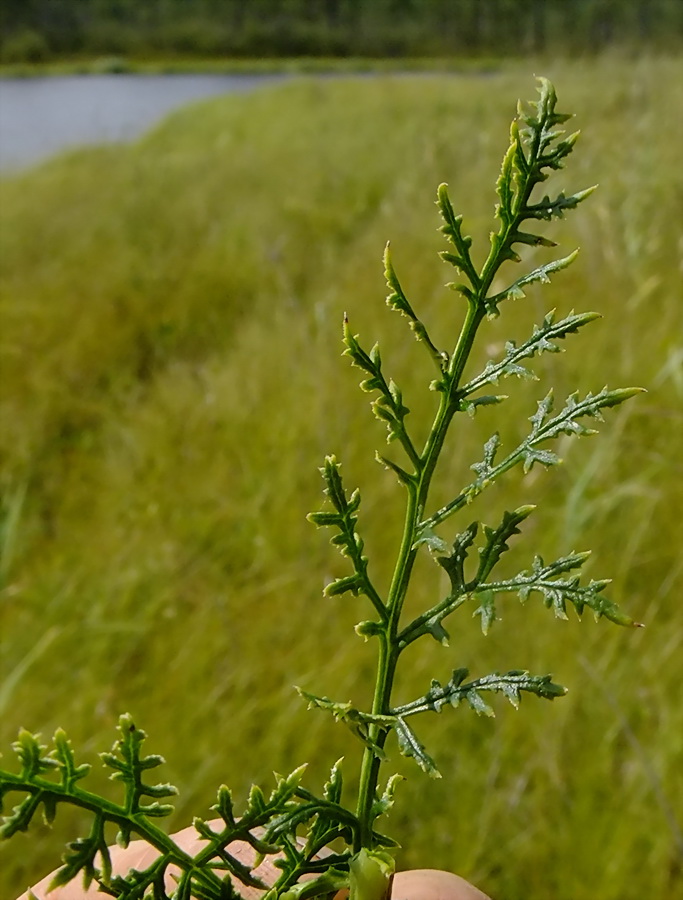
x: 296, y: 824
x: 268, y: 823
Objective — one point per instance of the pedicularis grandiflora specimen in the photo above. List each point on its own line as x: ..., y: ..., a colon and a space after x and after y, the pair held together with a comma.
x: 290, y: 820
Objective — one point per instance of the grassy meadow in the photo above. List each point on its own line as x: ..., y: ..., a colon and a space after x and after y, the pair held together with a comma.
x: 171, y: 379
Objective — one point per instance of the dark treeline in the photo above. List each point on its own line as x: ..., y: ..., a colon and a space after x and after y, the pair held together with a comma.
x: 33, y: 30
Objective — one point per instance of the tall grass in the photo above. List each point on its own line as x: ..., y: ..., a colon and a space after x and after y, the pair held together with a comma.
x: 160, y: 303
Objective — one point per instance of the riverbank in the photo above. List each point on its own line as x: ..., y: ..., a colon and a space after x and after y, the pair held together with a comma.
x: 106, y: 65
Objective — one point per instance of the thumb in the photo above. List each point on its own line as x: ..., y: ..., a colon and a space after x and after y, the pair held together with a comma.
x: 433, y: 884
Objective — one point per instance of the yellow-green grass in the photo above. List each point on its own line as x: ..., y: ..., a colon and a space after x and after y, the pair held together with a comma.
x: 171, y: 379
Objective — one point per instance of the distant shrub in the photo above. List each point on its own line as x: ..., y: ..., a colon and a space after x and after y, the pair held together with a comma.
x: 109, y: 65
x: 26, y: 46
x: 193, y: 37
x: 310, y: 39
x: 254, y: 39
x: 109, y: 38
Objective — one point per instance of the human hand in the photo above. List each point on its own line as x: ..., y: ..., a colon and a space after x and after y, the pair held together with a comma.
x: 415, y: 884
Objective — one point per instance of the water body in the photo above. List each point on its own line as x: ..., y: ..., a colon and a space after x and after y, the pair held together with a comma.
x: 42, y: 116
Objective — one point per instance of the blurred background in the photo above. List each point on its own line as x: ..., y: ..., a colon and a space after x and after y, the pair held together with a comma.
x: 173, y: 277
x: 38, y: 30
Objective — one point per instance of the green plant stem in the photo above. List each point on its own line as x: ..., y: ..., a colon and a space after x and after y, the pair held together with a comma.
x: 390, y: 645
x: 418, y: 492
x: 389, y: 648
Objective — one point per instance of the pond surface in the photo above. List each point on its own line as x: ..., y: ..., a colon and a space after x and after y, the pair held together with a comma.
x: 41, y: 116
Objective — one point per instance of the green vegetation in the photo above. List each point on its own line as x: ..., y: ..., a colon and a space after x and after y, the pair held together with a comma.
x: 37, y: 30
x: 169, y: 311
x: 301, y: 65
x: 295, y: 823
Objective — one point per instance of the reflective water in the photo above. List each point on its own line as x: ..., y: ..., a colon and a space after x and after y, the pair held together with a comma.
x: 41, y: 116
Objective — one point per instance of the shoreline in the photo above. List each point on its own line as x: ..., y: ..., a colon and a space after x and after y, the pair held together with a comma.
x: 120, y: 65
